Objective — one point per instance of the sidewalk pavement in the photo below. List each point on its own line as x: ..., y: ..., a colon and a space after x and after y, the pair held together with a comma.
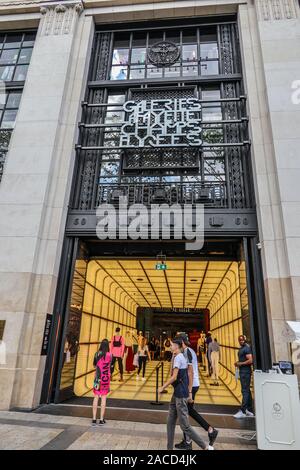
x: 34, y: 431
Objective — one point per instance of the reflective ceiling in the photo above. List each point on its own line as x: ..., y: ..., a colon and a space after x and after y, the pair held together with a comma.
x: 184, y: 284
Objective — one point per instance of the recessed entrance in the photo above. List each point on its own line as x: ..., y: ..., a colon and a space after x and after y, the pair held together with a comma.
x: 191, y: 295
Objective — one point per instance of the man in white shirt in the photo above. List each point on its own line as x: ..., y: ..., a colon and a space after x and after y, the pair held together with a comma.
x: 178, y: 406
x: 194, y: 384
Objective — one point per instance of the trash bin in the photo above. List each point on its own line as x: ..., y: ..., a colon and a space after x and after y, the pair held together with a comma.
x: 277, y: 410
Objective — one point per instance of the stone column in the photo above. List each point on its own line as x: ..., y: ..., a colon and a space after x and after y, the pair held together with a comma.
x: 270, y: 41
x: 34, y: 193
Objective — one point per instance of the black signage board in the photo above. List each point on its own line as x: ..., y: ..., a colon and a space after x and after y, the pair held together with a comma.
x: 46, y: 334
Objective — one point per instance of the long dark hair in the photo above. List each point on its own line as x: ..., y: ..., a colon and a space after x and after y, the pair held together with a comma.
x: 103, y: 348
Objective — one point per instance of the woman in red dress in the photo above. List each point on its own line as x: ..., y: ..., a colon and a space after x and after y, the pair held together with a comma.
x: 129, y: 338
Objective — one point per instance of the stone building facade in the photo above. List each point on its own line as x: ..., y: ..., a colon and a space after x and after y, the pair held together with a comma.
x: 39, y: 155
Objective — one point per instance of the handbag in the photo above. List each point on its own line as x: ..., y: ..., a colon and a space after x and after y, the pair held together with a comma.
x: 136, y: 360
x: 97, y: 379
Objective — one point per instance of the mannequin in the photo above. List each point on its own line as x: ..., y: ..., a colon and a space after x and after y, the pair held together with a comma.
x: 128, y: 357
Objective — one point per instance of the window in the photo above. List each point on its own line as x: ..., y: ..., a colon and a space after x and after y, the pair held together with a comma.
x: 198, y: 47
x: 15, y: 54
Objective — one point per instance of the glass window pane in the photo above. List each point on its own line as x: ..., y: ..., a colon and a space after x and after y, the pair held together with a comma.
x: 9, y: 56
x: 13, y: 40
x: 29, y: 39
x: 9, y: 117
x: 113, y: 116
x: 210, y: 67
x: 211, y: 94
x: 212, y: 167
x: 2, y: 37
x: 25, y: 56
x: 6, y: 73
x: 13, y: 100
x: 190, y: 69
x: 211, y: 113
x: 120, y: 56
x: 138, y: 56
x: 154, y: 72
x: 137, y: 73
x: 20, y: 73
x: 173, y: 71
x: 189, y: 52
x: 118, y: 73
x: 116, y: 98
x: 209, y: 51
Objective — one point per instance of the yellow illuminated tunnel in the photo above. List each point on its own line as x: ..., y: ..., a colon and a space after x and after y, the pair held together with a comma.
x: 114, y: 289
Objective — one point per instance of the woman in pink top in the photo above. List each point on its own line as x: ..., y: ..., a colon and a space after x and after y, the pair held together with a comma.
x: 117, y: 348
x: 102, y: 362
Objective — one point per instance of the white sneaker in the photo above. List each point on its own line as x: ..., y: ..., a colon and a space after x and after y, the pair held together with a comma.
x: 249, y: 414
x: 240, y: 415
x: 210, y: 447
x: 143, y: 379
x: 137, y: 377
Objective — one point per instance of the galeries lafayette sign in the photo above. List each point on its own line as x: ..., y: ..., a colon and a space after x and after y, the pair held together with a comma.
x: 162, y: 123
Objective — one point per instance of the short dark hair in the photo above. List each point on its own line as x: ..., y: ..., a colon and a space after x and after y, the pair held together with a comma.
x: 184, y: 339
x: 177, y: 340
x: 117, y: 329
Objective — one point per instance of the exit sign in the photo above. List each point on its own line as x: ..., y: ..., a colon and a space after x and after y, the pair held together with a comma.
x: 161, y: 266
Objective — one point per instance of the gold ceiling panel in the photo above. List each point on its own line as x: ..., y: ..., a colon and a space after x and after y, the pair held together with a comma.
x: 183, y: 284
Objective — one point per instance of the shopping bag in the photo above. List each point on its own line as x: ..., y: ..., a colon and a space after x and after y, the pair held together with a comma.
x: 136, y: 360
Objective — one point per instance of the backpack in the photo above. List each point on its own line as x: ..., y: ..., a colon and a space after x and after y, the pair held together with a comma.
x: 117, y: 343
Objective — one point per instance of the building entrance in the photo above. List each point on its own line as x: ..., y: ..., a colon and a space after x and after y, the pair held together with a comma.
x: 203, y: 296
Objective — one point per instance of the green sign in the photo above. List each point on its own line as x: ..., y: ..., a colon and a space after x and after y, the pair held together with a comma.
x: 161, y: 266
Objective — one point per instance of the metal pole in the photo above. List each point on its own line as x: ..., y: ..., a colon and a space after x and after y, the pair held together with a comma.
x: 162, y: 376
x: 157, y: 402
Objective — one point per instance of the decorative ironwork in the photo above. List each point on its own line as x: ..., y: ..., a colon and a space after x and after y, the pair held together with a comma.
x: 5, y: 136
x: 169, y: 144
x: 87, y: 179
x: 227, y: 62
x: 232, y: 134
x: 163, y: 53
x: 162, y: 123
x: 102, y: 56
x: 213, y: 195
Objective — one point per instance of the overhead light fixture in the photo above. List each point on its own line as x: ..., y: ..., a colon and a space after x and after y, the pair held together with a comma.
x: 194, y: 280
x: 140, y: 279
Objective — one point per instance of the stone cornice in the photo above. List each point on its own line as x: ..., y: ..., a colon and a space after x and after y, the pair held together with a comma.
x: 32, y: 6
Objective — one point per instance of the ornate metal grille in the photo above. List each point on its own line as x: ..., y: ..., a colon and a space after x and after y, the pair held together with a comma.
x: 215, y: 173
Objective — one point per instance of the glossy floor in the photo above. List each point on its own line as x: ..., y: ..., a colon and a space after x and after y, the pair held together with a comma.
x: 138, y: 389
